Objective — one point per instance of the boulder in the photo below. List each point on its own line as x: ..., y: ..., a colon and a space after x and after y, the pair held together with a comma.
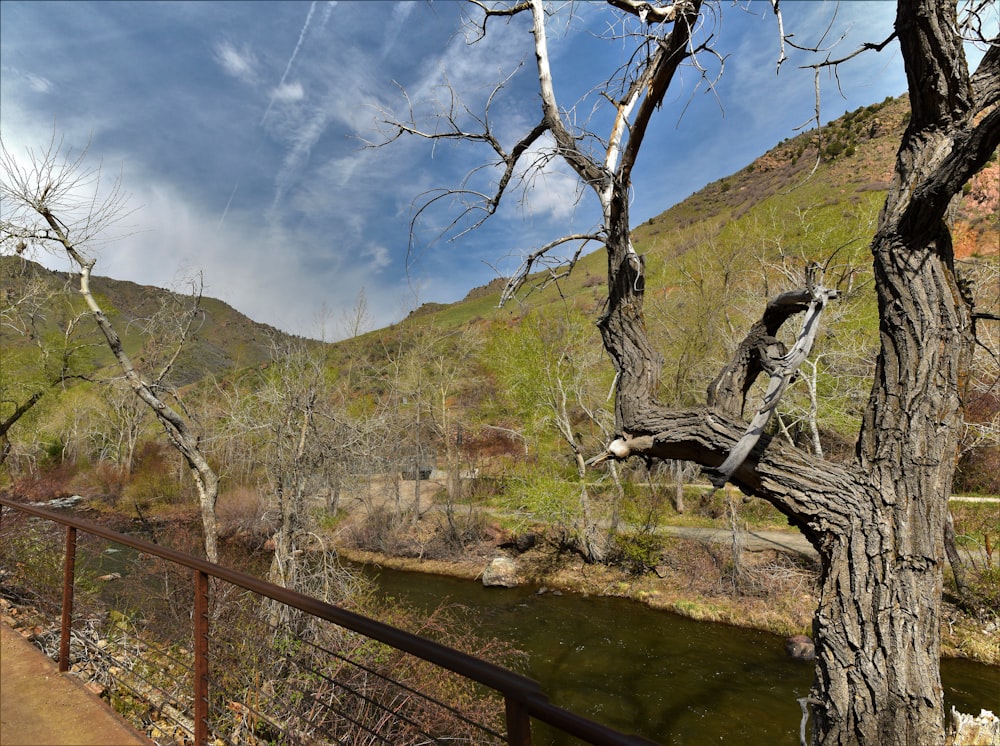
x: 801, y: 647
x: 501, y: 572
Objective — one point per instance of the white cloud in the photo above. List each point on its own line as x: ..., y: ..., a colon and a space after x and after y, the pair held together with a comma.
x: 552, y: 189
x: 262, y: 272
x: 304, y: 137
x: 315, y: 216
x: 38, y: 83
x: 396, y: 25
x: 379, y: 257
x: 240, y: 63
x: 289, y: 92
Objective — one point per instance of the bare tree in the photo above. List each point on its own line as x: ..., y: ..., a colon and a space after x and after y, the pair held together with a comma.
x: 54, y: 200
x: 284, y: 410
x: 878, y: 521
x: 125, y: 420
x: 452, y: 372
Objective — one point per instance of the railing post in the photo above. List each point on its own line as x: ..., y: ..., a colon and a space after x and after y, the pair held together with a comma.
x: 69, y: 575
x: 200, y: 658
x: 518, y: 723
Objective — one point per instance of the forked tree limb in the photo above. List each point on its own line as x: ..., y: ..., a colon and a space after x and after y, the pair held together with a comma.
x: 781, y: 370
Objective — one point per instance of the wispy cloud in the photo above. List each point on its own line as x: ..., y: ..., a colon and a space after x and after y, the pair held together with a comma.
x: 36, y: 83
x: 291, y: 60
x: 259, y: 111
x: 378, y: 257
x: 240, y: 63
x: 289, y: 92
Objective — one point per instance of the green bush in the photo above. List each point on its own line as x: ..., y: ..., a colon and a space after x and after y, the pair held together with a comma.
x: 53, y: 452
x: 543, y: 496
x: 637, y: 553
x: 985, y: 587
x: 149, y: 488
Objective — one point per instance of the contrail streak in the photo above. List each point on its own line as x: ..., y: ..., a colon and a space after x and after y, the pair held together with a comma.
x: 226, y: 211
x: 295, y: 52
x: 274, y: 95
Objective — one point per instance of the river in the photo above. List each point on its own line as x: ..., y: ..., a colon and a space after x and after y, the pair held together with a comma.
x: 653, y: 673
x: 641, y: 670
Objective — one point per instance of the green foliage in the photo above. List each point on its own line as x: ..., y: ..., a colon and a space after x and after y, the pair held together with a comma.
x: 712, y: 262
x: 974, y: 522
x: 834, y: 149
x: 541, y: 496
x: 985, y: 586
x: 544, y: 364
x: 638, y: 553
x: 52, y: 452
x: 154, y: 481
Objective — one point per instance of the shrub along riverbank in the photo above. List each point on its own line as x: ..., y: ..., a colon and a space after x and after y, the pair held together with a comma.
x: 707, y: 574
x: 710, y: 573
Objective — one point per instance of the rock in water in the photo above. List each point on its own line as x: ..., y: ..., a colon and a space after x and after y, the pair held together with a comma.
x: 801, y: 647
x: 501, y: 572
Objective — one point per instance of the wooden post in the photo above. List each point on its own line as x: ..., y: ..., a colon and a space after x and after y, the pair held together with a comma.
x: 200, y: 658
x: 518, y: 723
x: 69, y: 575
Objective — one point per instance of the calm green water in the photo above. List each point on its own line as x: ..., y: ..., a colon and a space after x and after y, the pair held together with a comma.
x: 653, y: 673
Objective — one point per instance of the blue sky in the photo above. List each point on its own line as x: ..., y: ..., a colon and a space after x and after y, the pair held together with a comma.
x: 240, y: 129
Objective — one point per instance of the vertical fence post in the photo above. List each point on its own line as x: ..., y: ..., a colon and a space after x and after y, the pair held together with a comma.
x: 200, y: 658
x: 518, y: 723
x: 69, y: 575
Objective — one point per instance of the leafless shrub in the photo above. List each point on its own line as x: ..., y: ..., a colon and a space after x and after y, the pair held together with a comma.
x: 242, y: 516
x: 383, y: 530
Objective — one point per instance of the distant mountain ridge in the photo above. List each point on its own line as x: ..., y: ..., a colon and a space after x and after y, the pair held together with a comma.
x: 222, y: 339
x: 825, y: 167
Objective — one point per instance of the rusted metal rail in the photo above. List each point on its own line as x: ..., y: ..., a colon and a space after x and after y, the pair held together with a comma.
x: 523, y: 697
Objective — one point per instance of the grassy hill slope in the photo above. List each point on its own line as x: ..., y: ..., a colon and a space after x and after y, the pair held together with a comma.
x: 222, y: 339
x: 806, y: 196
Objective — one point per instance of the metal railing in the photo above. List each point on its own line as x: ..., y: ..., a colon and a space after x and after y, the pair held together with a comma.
x: 523, y: 699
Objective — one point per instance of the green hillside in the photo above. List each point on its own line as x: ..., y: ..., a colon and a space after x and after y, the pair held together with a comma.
x: 221, y: 338
x: 802, y: 199
x: 712, y: 261
x: 515, y: 392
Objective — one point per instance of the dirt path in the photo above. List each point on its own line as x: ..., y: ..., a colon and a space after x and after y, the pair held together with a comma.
x: 783, y: 541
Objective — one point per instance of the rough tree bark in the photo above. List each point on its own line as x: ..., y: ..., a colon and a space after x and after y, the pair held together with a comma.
x: 878, y: 522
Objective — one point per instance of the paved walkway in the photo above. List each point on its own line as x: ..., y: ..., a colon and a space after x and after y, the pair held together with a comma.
x: 41, y: 707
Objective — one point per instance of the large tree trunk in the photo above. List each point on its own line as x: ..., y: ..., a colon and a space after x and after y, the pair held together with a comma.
x: 878, y: 625
x: 878, y: 524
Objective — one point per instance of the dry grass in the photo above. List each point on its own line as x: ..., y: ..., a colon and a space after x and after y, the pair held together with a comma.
x: 242, y: 516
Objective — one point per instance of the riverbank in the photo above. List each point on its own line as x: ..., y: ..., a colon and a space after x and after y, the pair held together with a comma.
x: 764, y: 578
x: 771, y: 591
x: 614, y: 647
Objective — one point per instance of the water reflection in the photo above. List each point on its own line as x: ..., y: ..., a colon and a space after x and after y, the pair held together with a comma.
x: 656, y: 674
